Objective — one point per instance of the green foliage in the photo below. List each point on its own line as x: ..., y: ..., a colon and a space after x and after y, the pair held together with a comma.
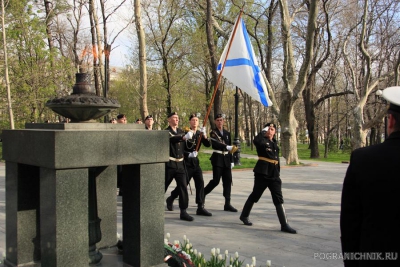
x: 302, y: 136
x: 346, y: 145
x: 333, y: 144
x: 34, y: 76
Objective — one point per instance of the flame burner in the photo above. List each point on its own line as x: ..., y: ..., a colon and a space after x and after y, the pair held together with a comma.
x: 83, y: 105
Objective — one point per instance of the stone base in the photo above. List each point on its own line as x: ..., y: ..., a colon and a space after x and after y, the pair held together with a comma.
x: 51, y: 163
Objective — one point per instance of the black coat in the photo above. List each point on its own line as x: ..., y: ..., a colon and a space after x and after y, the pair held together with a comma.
x: 370, y: 209
x: 219, y: 142
x: 190, y: 146
x: 176, y: 147
x: 267, y: 148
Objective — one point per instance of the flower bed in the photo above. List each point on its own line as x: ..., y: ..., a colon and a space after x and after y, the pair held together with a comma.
x: 179, y: 254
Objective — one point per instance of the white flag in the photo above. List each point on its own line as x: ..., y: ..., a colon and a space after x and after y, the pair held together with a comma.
x: 241, y: 66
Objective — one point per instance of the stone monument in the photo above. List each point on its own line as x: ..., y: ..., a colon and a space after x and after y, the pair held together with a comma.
x: 61, y: 186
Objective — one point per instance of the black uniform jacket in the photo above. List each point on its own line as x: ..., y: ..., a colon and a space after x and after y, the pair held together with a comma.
x: 370, y: 209
x: 190, y: 146
x: 267, y: 149
x: 219, y: 143
x: 176, y: 147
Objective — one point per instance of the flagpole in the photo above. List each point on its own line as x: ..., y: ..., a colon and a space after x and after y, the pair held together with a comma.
x: 219, y: 78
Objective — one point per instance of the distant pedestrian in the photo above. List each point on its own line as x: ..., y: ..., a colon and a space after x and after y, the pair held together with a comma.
x: 121, y: 118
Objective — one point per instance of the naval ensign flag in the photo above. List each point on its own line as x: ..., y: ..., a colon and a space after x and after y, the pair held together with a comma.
x: 241, y: 67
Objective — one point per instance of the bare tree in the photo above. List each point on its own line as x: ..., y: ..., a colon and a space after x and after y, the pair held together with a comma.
x: 142, y: 59
x: 293, y: 85
x: 108, y: 44
x: 9, y: 102
x: 376, y: 30
x: 96, y: 47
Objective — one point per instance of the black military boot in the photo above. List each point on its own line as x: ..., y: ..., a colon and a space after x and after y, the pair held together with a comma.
x: 285, y: 227
x: 170, y: 203
x: 244, y: 217
x: 228, y: 206
x: 186, y: 217
x: 202, y: 211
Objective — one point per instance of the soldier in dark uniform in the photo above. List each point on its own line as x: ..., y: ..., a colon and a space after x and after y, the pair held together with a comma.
x: 370, y: 208
x: 221, y: 161
x: 148, y: 121
x: 193, y: 167
x: 175, y: 168
x: 267, y: 174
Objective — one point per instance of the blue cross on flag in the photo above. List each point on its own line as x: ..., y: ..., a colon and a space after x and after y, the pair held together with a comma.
x: 241, y: 67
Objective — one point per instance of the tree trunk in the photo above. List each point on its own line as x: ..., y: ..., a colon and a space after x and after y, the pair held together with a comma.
x: 358, y: 134
x: 9, y: 101
x: 94, y: 50
x: 213, y: 57
x: 49, y: 16
x: 142, y: 60
x: 288, y: 134
x: 293, y: 85
x: 310, y: 118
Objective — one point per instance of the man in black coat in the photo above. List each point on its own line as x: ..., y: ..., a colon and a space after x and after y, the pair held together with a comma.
x: 370, y: 208
x: 175, y: 168
x: 267, y: 175
x: 193, y: 168
x: 221, y: 161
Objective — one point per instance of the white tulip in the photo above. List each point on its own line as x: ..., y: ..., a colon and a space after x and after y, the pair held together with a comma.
x: 268, y: 263
x: 213, y: 251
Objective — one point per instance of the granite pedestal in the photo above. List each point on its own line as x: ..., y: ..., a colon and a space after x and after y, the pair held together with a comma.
x: 47, y: 170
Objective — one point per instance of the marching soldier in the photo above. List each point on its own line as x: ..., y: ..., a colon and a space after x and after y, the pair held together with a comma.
x: 221, y: 161
x: 175, y: 168
x: 267, y: 174
x: 193, y: 168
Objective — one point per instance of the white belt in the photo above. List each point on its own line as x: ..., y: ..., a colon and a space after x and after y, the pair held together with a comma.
x: 221, y: 152
x: 176, y: 160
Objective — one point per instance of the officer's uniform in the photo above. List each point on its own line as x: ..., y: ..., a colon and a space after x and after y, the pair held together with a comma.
x: 370, y: 205
x: 221, y: 161
x: 193, y: 170
x: 267, y: 175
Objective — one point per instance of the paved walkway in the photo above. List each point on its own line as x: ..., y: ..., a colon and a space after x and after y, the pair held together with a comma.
x: 312, y: 201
